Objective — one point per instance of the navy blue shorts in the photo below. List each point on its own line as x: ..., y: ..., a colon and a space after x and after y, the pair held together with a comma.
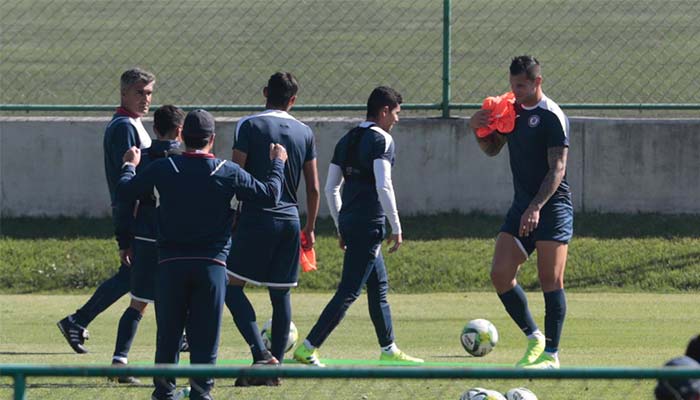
x: 144, y: 267
x: 556, y: 224
x: 265, y: 251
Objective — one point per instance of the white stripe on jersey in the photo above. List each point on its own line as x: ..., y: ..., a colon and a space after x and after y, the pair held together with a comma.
x: 144, y: 138
x: 174, y: 166
x: 221, y: 164
x: 266, y: 113
x: 548, y: 104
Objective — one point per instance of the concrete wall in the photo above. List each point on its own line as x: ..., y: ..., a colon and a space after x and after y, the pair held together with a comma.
x: 53, y: 166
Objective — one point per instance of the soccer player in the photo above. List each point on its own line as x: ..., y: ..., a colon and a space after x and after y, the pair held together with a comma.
x: 194, y: 236
x: 362, y: 161
x: 167, y: 125
x: 124, y: 131
x: 541, y: 216
x: 265, y: 249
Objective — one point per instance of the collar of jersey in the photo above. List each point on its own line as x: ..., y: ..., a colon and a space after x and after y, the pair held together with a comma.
x: 125, y: 112
x: 197, y: 154
x: 539, y: 104
x: 276, y: 113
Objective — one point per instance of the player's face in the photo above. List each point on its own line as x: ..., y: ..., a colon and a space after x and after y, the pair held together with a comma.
x: 137, y: 98
x: 525, y: 90
x: 389, y: 118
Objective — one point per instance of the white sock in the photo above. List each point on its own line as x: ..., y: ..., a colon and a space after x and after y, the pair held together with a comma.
x: 390, y: 349
x: 535, y: 334
x: 554, y: 355
x: 308, y: 345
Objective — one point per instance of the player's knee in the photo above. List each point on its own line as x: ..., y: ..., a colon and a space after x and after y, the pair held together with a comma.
x: 550, y: 282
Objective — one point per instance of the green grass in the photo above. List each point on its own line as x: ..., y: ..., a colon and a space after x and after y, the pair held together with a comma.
x: 448, y: 253
x: 602, y: 329
x: 220, y: 52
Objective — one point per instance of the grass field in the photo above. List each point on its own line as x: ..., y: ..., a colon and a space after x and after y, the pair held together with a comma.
x: 602, y: 329
x: 220, y: 52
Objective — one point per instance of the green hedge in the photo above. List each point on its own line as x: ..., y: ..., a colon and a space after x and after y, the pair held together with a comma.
x: 447, y: 253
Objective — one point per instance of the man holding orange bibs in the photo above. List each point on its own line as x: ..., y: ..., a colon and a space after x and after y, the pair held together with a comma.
x: 541, y: 216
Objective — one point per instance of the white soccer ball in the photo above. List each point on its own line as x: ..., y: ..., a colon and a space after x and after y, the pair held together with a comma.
x: 266, y: 333
x: 520, y: 393
x: 479, y: 337
x: 482, y: 394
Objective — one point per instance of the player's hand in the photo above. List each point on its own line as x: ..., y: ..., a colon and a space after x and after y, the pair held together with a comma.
x: 480, y: 119
x: 310, y: 238
x: 126, y: 255
x: 397, y: 239
x: 278, y: 151
x: 529, y: 221
x: 133, y: 155
x: 341, y: 242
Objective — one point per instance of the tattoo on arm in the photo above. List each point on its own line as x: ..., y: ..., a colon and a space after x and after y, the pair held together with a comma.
x: 556, y: 157
x: 492, y: 144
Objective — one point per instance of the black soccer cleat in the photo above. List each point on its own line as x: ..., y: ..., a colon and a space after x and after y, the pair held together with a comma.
x: 268, y: 361
x: 75, y: 334
x: 128, y: 380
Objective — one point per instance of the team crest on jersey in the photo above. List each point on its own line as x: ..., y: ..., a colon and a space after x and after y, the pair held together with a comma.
x: 533, y: 121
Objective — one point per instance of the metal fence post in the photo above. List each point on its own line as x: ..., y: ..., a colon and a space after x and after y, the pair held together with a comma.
x: 20, y: 386
x: 446, y: 60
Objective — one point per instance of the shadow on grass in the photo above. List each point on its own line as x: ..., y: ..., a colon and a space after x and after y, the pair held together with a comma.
x: 421, y: 227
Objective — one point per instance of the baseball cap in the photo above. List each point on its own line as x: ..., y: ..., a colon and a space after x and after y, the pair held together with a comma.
x: 198, y: 124
x: 679, y: 389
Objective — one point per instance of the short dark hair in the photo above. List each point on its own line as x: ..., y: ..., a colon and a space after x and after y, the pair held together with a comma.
x: 166, y: 119
x: 382, y: 96
x: 527, y: 64
x: 196, y: 142
x: 280, y: 88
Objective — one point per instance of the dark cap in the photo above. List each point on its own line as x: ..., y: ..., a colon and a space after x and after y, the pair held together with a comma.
x: 681, y: 389
x: 198, y: 123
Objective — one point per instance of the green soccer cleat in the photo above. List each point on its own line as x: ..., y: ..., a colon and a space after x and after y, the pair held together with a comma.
x: 399, y: 356
x: 544, y: 361
x: 535, y: 348
x: 307, y: 356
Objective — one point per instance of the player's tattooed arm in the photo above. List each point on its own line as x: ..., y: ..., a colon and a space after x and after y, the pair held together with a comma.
x: 491, y: 144
x: 556, y: 158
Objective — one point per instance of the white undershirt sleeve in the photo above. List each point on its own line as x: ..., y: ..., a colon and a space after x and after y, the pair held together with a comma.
x: 385, y: 192
x: 333, y: 184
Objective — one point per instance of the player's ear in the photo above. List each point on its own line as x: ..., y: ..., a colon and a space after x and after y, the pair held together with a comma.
x: 265, y: 91
x: 292, y: 100
x: 538, y: 80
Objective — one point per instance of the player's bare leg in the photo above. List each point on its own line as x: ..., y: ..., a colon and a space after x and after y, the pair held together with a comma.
x: 507, y: 259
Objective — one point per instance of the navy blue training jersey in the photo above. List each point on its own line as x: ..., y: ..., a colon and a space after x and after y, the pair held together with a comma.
x: 253, y: 137
x: 355, y: 154
x: 195, y: 191
x: 536, y: 130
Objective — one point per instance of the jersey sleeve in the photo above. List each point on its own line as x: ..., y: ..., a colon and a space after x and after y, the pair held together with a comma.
x: 383, y: 148
x: 242, y: 139
x: 122, y: 139
x: 557, y: 131
x: 338, y: 156
x: 310, y: 147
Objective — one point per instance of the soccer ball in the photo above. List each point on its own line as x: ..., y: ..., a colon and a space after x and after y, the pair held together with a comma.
x: 266, y: 333
x: 479, y: 337
x: 520, y: 393
x: 481, y: 394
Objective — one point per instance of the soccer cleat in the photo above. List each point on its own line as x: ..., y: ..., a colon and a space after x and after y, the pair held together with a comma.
x: 128, y: 380
x: 75, y: 334
x: 307, y: 356
x: 544, y: 361
x: 268, y: 361
x: 184, y: 344
x: 535, y: 348
x: 399, y: 356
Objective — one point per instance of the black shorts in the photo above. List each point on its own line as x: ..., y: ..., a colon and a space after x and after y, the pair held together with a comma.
x: 556, y: 224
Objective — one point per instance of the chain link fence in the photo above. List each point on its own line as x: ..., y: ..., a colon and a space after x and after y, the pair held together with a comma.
x: 217, y: 52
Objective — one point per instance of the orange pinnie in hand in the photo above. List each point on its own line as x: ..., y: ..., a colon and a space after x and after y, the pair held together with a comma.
x: 502, y: 117
x: 307, y: 254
